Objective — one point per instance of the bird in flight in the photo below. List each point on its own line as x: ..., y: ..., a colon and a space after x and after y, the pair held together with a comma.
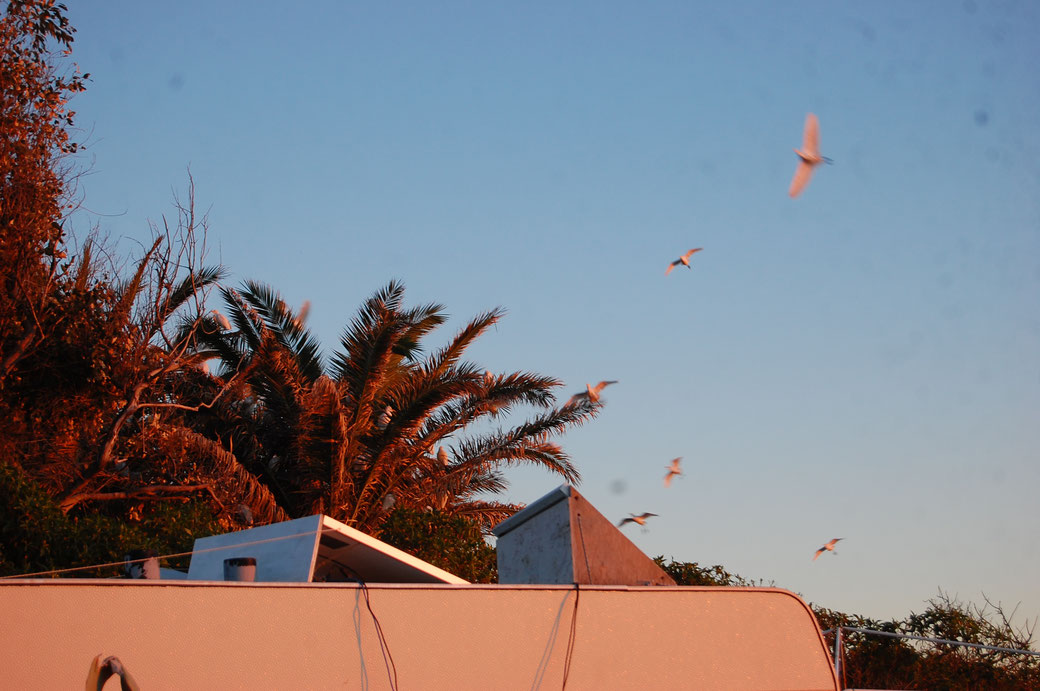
x: 809, y: 156
x: 684, y: 260
x: 299, y: 320
x: 592, y: 392
x: 829, y: 547
x: 673, y: 470
x: 640, y: 519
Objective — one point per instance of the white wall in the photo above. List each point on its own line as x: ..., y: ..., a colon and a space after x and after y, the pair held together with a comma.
x: 189, y: 635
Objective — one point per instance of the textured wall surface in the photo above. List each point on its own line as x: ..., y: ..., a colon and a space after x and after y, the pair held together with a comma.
x: 179, y: 635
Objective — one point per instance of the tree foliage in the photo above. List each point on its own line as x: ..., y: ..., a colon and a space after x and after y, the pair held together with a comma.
x: 34, y: 180
x: 880, y: 662
x: 385, y: 422
x: 872, y: 661
x: 452, y: 543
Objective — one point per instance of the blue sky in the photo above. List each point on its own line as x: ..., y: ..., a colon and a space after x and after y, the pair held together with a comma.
x: 860, y: 362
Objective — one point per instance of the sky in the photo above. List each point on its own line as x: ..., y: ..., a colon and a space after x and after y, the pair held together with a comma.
x: 860, y: 362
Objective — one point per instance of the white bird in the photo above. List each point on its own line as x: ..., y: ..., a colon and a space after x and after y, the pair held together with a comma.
x: 829, y: 547
x: 243, y: 514
x: 388, y: 501
x: 809, y: 156
x: 684, y: 260
x: 222, y: 320
x: 673, y: 470
x: 592, y: 392
x: 300, y: 318
x: 442, y: 456
x: 640, y: 519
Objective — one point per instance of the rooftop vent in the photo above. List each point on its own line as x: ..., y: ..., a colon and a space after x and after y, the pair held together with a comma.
x: 562, y: 539
x: 312, y: 549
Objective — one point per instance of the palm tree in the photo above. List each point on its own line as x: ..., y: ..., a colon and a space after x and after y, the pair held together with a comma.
x: 360, y: 436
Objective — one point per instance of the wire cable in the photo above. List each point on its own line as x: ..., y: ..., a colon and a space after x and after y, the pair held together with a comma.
x: 571, y: 637
x: 384, y: 646
x: 54, y: 572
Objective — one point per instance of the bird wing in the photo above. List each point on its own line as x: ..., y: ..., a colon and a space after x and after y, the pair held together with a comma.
x: 801, y: 178
x: 671, y: 266
x: 626, y: 520
x: 811, y: 138
x: 818, y: 553
x: 688, y: 254
x: 668, y: 479
x: 599, y: 387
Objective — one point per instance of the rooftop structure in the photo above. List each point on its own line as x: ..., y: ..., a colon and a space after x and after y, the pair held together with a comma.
x: 312, y: 549
x: 562, y: 538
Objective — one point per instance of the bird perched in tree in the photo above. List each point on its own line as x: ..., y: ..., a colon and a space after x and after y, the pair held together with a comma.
x: 829, y: 547
x: 384, y: 417
x: 592, y: 392
x: 222, y: 320
x: 388, y: 501
x: 673, y: 471
x: 244, y: 515
x: 684, y: 260
x: 633, y: 518
x: 442, y: 456
x: 809, y: 156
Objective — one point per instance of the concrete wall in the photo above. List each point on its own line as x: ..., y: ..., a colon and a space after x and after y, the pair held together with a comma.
x: 194, y: 635
x: 561, y: 538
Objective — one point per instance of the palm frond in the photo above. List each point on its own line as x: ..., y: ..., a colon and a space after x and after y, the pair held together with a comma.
x: 232, y: 480
x: 191, y: 286
x: 450, y: 355
x: 129, y: 290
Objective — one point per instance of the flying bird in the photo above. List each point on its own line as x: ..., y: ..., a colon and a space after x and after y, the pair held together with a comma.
x: 633, y: 518
x: 809, y: 155
x: 300, y: 318
x: 684, y: 260
x: 592, y: 392
x: 673, y: 470
x: 829, y: 547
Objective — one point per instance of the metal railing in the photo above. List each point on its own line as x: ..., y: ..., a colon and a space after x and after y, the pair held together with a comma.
x: 872, y: 632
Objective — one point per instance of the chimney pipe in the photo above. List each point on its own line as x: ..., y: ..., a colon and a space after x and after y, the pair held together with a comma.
x: 240, y: 569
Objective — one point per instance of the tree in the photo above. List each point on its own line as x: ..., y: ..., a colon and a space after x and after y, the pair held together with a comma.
x: 883, y: 662
x: 34, y: 183
x: 452, y: 543
x: 372, y: 429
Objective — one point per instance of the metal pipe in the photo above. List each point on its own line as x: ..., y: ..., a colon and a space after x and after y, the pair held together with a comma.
x: 837, y: 655
x: 935, y: 640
